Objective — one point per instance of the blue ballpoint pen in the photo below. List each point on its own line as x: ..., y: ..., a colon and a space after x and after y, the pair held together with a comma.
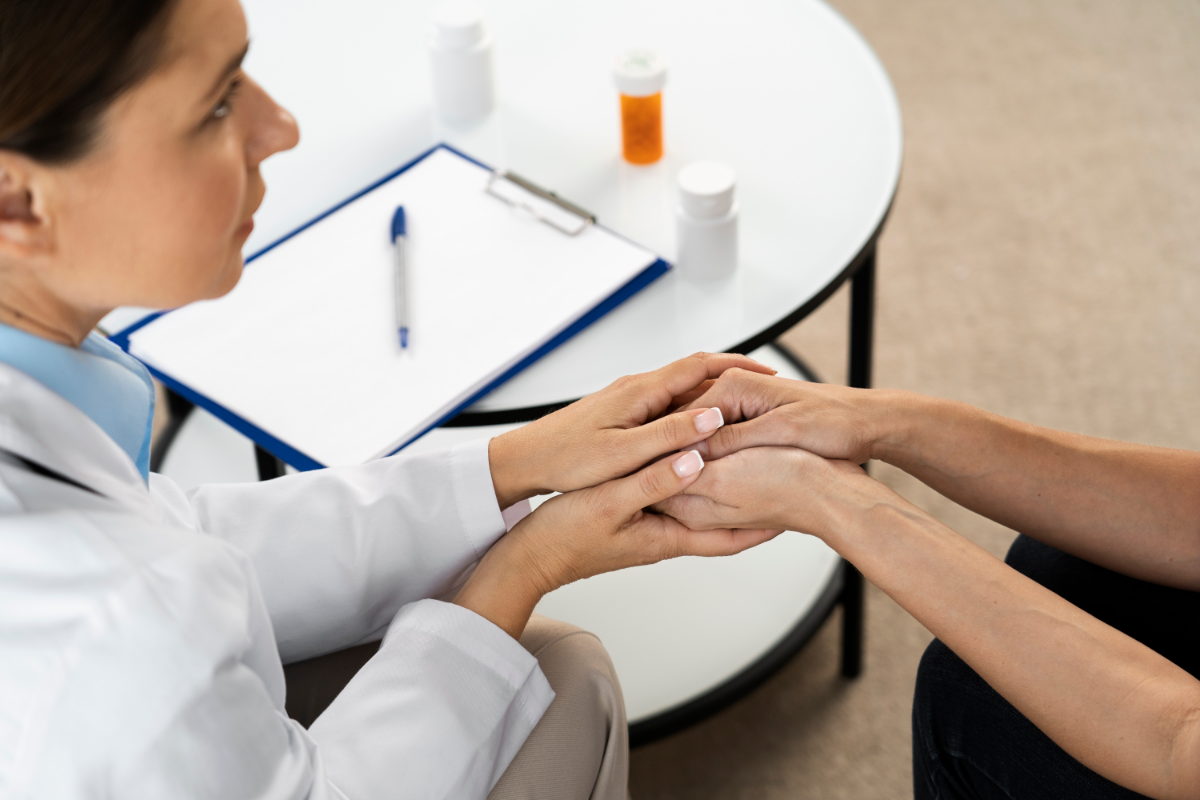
x: 398, y: 237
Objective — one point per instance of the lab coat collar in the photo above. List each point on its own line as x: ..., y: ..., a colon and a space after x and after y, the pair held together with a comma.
x: 99, y: 378
x: 39, y: 426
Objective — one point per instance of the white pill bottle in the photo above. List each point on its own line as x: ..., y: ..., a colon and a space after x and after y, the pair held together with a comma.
x: 460, y: 56
x: 706, y: 221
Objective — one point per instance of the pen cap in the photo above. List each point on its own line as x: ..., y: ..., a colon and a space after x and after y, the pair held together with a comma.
x: 639, y: 73
x: 399, y: 228
x: 706, y: 189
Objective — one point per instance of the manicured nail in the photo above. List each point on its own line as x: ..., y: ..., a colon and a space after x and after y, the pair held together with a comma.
x: 710, y: 420
x: 687, y: 464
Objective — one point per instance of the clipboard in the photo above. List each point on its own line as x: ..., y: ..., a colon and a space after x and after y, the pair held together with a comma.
x: 288, y: 357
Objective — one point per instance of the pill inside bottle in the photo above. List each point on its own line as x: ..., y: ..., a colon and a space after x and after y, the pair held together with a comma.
x: 640, y: 76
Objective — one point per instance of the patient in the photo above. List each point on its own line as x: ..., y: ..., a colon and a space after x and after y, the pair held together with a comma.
x: 1070, y: 670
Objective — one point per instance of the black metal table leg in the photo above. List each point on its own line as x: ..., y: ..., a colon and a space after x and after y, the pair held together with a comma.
x: 853, y: 600
x: 268, y: 465
x: 862, y: 339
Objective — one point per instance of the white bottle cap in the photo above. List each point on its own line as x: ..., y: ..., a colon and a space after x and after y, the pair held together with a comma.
x: 458, y: 25
x: 706, y: 189
x: 640, y: 73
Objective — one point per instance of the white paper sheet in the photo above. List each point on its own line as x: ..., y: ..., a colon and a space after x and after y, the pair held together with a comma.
x: 305, y: 347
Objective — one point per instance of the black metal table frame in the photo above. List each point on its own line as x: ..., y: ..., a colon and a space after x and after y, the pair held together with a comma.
x: 846, y: 589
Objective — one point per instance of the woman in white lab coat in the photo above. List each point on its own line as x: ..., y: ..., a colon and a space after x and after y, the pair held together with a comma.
x: 142, y: 630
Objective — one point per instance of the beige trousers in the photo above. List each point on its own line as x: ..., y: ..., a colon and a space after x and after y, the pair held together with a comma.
x: 578, y: 751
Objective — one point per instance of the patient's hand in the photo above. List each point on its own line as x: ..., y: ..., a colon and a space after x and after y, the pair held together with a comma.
x: 590, y: 531
x: 612, y: 432
x: 832, y: 421
x: 774, y: 488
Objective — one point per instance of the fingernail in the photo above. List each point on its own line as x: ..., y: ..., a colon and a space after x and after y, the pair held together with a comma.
x: 687, y: 464
x: 710, y: 420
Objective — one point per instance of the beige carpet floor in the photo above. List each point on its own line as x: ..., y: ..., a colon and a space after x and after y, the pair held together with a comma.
x: 1042, y: 261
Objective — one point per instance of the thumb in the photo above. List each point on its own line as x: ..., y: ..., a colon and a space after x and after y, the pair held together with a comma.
x: 656, y: 483
x: 672, y: 432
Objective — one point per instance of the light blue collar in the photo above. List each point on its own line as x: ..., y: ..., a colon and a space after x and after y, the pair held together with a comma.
x: 98, y: 378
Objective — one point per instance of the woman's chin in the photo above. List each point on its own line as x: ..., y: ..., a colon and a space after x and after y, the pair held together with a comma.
x: 171, y: 292
x: 229, y: 277
x: 220, y: 285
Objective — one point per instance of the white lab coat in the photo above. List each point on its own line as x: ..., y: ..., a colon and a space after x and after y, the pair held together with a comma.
x: 142, y: 630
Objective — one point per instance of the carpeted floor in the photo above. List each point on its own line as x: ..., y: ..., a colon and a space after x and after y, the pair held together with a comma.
x: 1042, y: 261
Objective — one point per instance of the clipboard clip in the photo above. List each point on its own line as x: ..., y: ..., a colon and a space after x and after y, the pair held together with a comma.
x: 541, y: 204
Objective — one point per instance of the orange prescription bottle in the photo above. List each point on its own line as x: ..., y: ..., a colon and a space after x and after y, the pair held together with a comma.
x: 640, y: 76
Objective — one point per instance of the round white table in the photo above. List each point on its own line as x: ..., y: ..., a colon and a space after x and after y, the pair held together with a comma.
x: 784, y: 91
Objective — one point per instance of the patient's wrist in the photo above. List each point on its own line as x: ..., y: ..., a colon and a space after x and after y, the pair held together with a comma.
x: 901, y: 423
x: 853, y: 516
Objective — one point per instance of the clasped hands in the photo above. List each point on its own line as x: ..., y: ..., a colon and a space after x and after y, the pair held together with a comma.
x: 707, y: 456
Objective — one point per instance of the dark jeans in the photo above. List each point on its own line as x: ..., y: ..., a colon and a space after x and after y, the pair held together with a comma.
x: 969, y: 742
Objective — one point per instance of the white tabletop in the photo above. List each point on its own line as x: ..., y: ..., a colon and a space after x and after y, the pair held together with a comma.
x: 784, y: 91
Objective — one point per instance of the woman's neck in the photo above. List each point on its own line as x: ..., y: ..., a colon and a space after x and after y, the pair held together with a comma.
x: 41, y: 314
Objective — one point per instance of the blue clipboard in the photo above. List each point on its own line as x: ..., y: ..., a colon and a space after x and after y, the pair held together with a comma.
x: 302, y: 461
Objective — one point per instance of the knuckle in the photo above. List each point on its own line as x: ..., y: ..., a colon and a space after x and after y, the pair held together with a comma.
x: 652, y: 482
x: 697, y: 362
x: 739, y: 375
x: 730, y: 378
x: 623, y: 383
x: 666, y: 433
x: 728, y: 438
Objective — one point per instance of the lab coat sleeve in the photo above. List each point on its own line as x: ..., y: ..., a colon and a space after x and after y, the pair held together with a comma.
x: 147, y: 669
x: 439, y: 711
x: 423, y: 718
x: 339, y: 551
x: 142, y: 666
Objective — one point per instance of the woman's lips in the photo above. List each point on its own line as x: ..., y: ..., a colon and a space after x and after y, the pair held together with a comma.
x: 246, y: 229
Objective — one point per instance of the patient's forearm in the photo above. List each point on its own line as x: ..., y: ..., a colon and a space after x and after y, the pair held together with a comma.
x: 1117, y: 706
x: 1132, y: 508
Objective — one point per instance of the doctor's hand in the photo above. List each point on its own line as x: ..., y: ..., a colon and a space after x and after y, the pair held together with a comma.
x: 590, y: 531
x: 835, y: 422
x: 613, y: 432
x: 776, y: 488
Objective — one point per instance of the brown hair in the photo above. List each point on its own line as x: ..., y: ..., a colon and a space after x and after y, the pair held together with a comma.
x: 63, y: 63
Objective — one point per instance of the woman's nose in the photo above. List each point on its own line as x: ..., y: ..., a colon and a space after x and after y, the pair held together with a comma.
x: 273, y: 129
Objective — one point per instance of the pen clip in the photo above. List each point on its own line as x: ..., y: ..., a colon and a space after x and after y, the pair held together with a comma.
x: 579, y: 219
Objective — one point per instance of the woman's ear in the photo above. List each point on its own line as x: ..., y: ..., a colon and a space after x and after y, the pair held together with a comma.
x: 24, y: 228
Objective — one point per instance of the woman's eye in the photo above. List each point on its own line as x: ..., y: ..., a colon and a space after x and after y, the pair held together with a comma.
x: 224, y: 106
